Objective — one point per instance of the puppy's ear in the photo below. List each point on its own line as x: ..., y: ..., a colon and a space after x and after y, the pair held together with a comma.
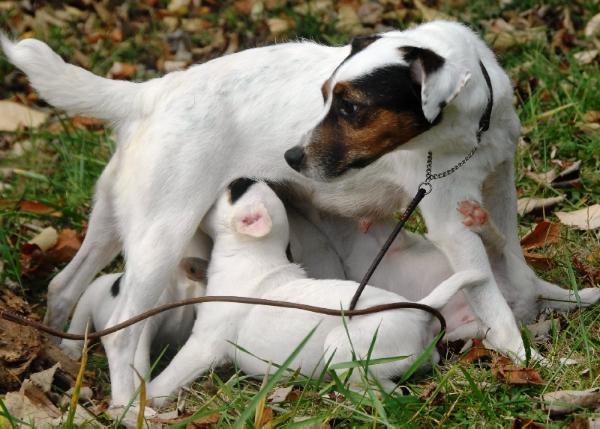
x: 440, y: 81
x: 194, y: 268
x: 253, y: 221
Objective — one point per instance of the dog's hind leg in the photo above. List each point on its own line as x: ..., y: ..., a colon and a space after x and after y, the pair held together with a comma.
x: 100, y: 246
x: 527, y: 293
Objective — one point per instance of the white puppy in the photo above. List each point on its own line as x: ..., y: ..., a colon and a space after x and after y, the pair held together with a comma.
x: 100, y: 299
x: 249, y: 228
x: 184, y: 137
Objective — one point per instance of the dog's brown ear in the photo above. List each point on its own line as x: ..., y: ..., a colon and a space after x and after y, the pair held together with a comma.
x: 194, y: 268
x: 440, y: 80
x: 359, y: 43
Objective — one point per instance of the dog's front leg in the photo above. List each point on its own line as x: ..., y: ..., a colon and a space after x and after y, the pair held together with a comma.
x: 465, y: 250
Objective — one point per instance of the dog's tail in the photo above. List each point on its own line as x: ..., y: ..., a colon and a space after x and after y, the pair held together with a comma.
x: 70, y: 87
x: 441, y: 295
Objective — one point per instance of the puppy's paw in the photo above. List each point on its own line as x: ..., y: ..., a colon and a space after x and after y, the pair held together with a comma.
x: 474, y: 215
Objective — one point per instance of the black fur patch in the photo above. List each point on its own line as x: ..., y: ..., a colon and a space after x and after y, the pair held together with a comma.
x: 116, y: 287
x: 238, y: 187
x: 359, y: 43
x: 430, y: 60
x: 391, y: 88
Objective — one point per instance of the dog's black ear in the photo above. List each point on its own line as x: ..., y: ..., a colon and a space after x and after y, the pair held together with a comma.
x: 359, y: 43
x: 440, y: 80
x: 194, y: 268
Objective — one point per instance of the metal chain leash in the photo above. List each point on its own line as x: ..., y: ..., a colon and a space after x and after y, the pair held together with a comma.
x: 429, y: 176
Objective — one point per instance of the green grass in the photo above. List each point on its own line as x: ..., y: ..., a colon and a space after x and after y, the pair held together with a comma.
x: 60, y: 167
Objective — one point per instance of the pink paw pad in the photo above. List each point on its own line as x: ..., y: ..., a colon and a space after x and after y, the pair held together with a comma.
x: 474, y: 214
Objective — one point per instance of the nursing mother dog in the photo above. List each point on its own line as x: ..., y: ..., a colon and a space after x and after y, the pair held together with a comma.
x: 182, y: 138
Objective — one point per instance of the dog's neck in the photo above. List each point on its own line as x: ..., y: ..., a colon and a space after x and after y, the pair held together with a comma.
x: 238, y: 263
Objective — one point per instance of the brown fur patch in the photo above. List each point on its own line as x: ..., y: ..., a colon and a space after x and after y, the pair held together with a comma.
x: 371, y: 135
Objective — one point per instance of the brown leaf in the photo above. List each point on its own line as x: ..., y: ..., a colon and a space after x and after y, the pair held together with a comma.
x: 122, y: 70
x: 37, y: 208
x: 14, y: 116
x: 477, y: 352
x: 592, y: 116
x: 541, y: 262
x: 31, y: 258
x: 544, y: 233
x: 206, y: 422
x: 521, y: 423
x: 116, y: 35
x: 593, y: 274
x: 86, y: 122
x: 67, y: 246
x: 505, y: 371
x: 585, y: 219
x: 267, y: 416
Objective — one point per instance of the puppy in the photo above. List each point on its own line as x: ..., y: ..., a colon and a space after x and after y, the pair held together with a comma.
x: 167, y: 329
x: 249, y: 227
x: 414, y: 266
x: 191, y: 133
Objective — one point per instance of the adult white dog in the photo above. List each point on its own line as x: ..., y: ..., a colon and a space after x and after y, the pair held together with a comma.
x: 250, y: 230
x: 184, y: 137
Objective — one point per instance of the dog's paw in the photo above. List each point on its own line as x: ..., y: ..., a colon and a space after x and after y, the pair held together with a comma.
x: 474, y: 215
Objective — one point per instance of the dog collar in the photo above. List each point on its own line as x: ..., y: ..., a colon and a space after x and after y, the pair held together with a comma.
x: 484, y: 122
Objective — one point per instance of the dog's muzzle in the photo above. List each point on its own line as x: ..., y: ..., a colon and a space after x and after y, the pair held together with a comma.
x: 295, y: 157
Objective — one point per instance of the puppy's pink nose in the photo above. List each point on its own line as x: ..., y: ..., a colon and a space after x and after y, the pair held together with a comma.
x: 295, y: 157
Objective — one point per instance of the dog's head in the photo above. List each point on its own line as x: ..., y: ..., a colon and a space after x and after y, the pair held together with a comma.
x: 248, y: 210
x: 385, y: 93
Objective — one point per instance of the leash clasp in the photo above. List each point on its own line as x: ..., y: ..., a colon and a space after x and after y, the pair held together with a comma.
x: 426, y: 187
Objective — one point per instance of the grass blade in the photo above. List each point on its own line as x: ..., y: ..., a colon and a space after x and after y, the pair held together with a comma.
x: 278, y: 374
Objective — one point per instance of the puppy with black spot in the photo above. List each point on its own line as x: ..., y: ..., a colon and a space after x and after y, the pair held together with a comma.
x: 250, y: 231
x: 168, y: 329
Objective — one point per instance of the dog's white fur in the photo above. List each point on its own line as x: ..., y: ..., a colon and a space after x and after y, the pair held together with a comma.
x: 248, y: 259
x: 171, y: 328
x: 183, y: 137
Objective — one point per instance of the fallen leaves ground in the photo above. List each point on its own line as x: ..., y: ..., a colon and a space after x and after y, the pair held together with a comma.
x: 49, y: 163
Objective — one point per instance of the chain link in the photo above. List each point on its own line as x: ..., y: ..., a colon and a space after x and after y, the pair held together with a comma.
x: 429, y: 176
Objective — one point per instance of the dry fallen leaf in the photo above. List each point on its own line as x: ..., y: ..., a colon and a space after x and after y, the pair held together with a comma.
x: 37, y: 208
x: 591, y: 273
x: 586, y: 57
x: 586, y: 218
x: 543, y: 233
x: 46, y: 239
x: 121, y: 70
x: 505, y: 371
x: 529, y: 204
x: 477, y: 352
x: 541, y: 262
x: 67, y: 246
x: 542, y: 178
x: 280, y: 394
x: 566, y: 401
x: 14, y: 116
x: 592, y: 28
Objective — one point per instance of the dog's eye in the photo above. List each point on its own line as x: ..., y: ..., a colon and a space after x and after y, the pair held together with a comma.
x: 347, y: 108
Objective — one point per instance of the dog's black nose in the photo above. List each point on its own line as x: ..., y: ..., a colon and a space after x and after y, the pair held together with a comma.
x: 294, y: 157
